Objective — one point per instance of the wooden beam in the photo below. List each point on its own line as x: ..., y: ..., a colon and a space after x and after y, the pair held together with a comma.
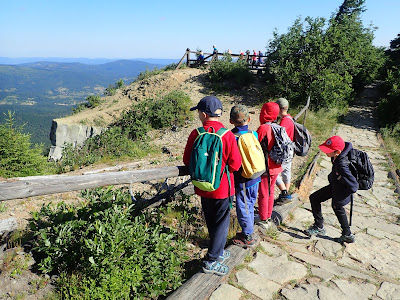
x: 304, y: 110
x: 200, y: 286
x: 24, y: 187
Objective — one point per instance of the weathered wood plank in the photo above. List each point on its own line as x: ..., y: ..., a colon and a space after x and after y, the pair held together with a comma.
x: 201, y: 285
x: 28, y: 187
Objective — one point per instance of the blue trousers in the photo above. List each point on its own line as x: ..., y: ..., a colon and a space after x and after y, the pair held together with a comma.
x: 245, y: 213
x: 217, y: 216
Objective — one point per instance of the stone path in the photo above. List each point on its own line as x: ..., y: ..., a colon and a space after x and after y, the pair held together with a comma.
x: 296, y: 267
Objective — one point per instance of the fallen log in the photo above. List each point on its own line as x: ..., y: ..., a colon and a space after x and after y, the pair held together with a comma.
x: 16, y: 188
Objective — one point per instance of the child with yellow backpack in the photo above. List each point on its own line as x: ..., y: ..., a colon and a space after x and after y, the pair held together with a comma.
x: 247, y: 178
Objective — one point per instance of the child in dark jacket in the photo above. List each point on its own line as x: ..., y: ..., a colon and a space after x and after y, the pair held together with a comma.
x: 246, y: 189
x: 342, y: 186
x: 215, y: 204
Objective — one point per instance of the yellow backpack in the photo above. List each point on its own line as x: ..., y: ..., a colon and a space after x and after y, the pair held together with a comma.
x: 253, y: 159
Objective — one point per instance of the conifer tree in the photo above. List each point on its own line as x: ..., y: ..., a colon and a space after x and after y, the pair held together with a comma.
x: 17, y: 157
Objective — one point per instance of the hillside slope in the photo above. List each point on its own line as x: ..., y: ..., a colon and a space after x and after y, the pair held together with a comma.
x: 190, y: 81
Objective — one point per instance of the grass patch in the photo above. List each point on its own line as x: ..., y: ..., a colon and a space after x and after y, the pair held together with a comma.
x: 392, y: 145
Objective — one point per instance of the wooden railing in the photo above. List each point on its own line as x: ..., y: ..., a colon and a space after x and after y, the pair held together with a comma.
x: 209, y: 57
x: 23, y: 187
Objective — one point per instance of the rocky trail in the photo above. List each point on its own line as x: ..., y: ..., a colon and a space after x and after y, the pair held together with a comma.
x: 294, y: 267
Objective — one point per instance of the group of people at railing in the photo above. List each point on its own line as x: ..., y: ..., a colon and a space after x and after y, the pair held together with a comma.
x: 254, y: 60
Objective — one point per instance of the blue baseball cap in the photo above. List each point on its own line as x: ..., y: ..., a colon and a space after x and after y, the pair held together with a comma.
x: 210, y: 105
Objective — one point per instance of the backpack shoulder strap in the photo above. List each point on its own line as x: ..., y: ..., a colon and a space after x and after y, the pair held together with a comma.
x: 200, y: 130
x: 221, y: 131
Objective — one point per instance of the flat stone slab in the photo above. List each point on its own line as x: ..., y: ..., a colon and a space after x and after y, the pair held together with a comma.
x: 226, y: 291
x: 256, y: 284
x: 340, y: 290
x: 382, y: 255
x: 278, y: 269
x: 330, y: 266
x: 321, y: 273
x: 328, y: 248
x: 389, y: 291
x: 355, y: 290
x: 272, y: 249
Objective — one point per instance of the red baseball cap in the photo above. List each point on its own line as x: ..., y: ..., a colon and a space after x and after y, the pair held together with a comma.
x: 332, y: 144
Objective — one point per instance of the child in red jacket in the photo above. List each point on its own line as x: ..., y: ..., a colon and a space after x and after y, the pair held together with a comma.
x: 269, y: 113
x: 283, y: 180
x: 215, y: 204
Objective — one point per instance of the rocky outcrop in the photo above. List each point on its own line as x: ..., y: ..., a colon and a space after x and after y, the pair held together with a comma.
x: 63, y: 133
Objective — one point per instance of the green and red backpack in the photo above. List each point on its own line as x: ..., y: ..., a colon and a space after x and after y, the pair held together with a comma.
x: 206, y: 159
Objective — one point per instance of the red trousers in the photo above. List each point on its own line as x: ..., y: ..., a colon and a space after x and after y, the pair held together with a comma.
x: 265, y: 197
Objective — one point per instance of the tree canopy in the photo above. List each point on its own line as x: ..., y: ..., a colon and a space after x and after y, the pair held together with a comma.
x: 329, y: 59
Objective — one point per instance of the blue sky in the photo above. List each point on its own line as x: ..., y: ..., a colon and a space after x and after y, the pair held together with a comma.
x: 163, y: 29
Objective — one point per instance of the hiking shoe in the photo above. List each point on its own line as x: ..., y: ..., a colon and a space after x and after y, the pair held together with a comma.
x: 214, y: 267
x: 225, y: 255
x: 266, y: 224
x: 284, y: 198
x: 244, y: 240
x: 351, y: 238
x: 314, y: 230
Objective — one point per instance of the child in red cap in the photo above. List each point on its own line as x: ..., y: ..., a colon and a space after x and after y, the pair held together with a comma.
x: 342, y: 185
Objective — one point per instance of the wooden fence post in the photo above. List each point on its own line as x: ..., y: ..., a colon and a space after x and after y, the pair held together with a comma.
x: 188, y: 57
x: 183, y: 57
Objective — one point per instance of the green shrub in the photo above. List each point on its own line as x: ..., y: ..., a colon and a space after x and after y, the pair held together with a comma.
x: 107, y: 249
x: 127, y: 137
x: 331, y: 60
x: 237, y: 73
x: 147, y: 73
x: 92, y: 101
x: 111, y: 144
x: 112, y: 89
x: 172, y: 109
x: 17, y: 157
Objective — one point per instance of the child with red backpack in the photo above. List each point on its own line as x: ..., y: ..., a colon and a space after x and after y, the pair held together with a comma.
x: 246, y: 185
x: 342, y: 185
x: 215, y: 203
x: 269, y: 113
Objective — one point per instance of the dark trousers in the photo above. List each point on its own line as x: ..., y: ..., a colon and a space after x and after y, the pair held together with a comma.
x: 322, y: 195
x: 217, y: 215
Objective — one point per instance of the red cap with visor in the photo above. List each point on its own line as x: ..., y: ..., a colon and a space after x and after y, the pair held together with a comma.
x: 332, y: 144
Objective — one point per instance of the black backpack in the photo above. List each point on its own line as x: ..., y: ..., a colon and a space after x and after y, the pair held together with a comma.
x: 361, y: 168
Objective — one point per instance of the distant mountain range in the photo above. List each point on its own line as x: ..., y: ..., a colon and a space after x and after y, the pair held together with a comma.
x: 39, y: 91
x: 88, y: 61
x: 65, y: 83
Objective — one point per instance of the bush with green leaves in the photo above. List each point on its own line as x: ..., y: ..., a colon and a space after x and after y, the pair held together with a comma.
x: 127, y: 138
x: 112, y: 89
x: 329, y: 60
x: 17, y: 156
x: 111, y: 144
x: 171, y: 109
x: 92, y: 101
x: 232, y: 73
x: 105, y: 248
